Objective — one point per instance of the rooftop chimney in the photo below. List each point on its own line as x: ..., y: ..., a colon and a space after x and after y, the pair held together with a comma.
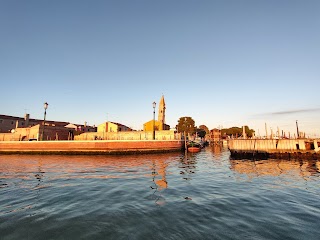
x: 26, y: 119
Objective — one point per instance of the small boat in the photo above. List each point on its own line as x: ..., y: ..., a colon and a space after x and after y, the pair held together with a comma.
x: 193, y: 147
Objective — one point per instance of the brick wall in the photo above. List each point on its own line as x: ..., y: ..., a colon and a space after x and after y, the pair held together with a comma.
x: 88, y: 146
x: 131, y: 135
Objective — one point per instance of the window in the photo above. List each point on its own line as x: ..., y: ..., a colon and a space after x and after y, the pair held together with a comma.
x: 1, y: 121
x: 22, y: 123
x: 12, y: 122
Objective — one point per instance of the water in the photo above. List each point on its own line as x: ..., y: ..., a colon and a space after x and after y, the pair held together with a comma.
x: 162, y: 196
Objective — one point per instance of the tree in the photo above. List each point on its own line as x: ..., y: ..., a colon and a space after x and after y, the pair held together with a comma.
x: 237, y: 131
x: 202, y: 130
x: 186, y: 124
x: 249, y: 132
x: 201, y: 133
x: 205, y: 128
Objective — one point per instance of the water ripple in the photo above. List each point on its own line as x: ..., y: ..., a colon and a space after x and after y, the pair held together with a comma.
x: 162, y: 196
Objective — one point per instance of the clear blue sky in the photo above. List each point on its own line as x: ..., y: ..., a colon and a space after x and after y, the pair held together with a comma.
x: 224, y: 63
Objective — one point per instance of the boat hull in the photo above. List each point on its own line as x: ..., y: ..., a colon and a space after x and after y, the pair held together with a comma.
x: 194, y: 149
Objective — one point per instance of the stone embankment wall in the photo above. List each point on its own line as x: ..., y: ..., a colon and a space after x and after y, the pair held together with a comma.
x: 62, y: 133
x: 132, y: 135
x: 274, y: 147
x: 88, y: 147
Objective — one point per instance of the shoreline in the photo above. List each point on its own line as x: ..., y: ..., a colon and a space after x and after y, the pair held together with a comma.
x: 90, y: 147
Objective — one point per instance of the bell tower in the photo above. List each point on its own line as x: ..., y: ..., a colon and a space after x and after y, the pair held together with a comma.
x: 162, y: 112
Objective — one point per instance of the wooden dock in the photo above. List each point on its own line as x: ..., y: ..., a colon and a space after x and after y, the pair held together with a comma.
x: 274, y: 148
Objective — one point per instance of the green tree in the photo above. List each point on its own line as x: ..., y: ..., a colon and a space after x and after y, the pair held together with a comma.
x: 186, y: 124
x: 205, y: 128
x: 237, y: 131
x: 202, y: 130
x: 201, y: 133
x: 249, y: 131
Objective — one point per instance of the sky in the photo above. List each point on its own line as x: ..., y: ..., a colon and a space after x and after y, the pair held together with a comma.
x: 224, y: 63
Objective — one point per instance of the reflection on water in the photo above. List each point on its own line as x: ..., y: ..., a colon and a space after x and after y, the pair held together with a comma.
x: 277, y: 167
x: 188, y: 164
x: 159, y: 169
x: 203, y: 195
x: 159, y: 180
x: 81, y: 166
x: 216, y: 149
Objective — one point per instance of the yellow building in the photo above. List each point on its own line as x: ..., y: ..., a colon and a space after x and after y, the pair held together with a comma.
x: 148, y: 126
x: 113, y: 127
x: 159, y: 124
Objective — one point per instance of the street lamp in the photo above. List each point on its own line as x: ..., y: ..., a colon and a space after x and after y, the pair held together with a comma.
x: 154, y: 114
x: 44, y: 119
x: 297, y: 129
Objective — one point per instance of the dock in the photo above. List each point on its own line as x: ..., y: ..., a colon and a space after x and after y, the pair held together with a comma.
x: 106, y: 147
x: 274, y: 148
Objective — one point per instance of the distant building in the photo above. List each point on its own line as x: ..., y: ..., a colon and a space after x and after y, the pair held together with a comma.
x: 76, y: 129
x: 162, y: 111
x: 159, y: 124
x: 81, y: 128
x: 113, y: 127
x: 35, y: 133
x: 27, y: 128
x: 215, y: 135
x: 7, y: 123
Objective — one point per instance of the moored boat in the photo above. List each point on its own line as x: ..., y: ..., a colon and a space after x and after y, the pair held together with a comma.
x: 193, y: 147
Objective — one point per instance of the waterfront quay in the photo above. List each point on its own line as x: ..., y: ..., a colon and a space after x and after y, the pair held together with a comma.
x: 90, y: 147
x: 274, y: 148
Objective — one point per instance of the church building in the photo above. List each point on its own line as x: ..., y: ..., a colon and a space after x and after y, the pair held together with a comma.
x: 159, y: 124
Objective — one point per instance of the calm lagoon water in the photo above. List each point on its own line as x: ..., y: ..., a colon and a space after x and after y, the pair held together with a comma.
x: 158, y: 196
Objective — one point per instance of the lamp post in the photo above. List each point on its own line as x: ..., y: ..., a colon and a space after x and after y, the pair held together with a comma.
x: 44, y: 119
x: 153, y: 125
x: 297, y: 129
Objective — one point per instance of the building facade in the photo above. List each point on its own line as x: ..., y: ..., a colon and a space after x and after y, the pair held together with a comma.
x: 215, y: 136
x: 7, y: 123
x: 25, y: 129
x: 113, y: 127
